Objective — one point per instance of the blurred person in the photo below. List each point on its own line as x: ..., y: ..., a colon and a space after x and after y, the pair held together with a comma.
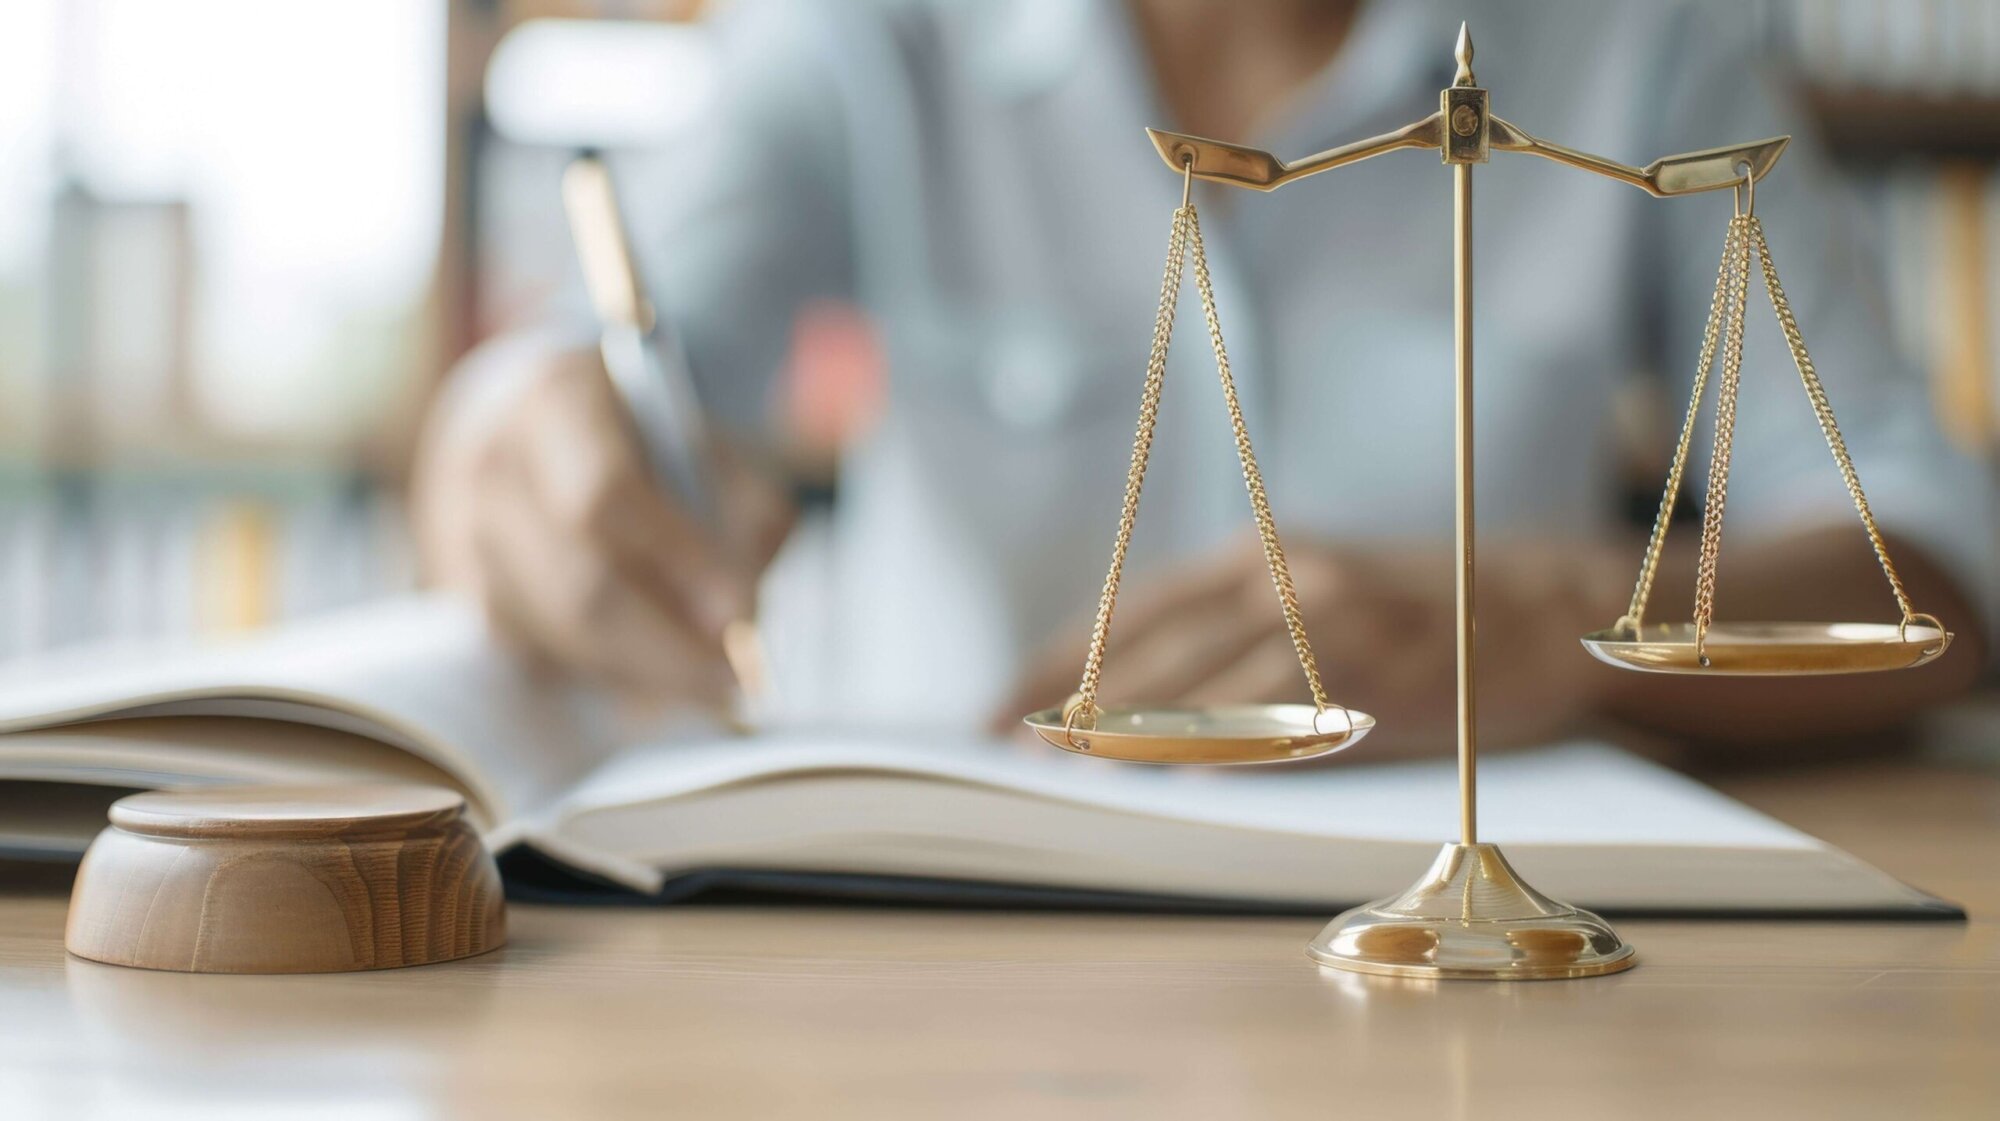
x: 975, y: 178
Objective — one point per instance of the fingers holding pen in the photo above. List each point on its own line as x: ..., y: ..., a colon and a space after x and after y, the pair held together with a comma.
x: 548, y: 512
x: 589, y: 473
x: 584, y: 606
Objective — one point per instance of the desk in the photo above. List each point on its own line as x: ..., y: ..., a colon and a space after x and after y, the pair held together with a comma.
x: 840, y: 1012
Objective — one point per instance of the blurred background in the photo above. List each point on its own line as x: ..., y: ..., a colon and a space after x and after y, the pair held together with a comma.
x: 241, y: 242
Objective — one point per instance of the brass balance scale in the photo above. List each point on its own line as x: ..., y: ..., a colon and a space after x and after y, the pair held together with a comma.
x: 1471, y: 915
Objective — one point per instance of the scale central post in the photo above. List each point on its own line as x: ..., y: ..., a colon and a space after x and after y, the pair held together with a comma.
x: 1471, y: 915
x: 1467, y: 126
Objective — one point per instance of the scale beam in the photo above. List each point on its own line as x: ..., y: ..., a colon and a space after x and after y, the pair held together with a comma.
x: 1685, y: 173
x: 1259, y: 170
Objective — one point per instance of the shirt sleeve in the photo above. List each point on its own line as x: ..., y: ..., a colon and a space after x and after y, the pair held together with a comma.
x: 1713, y: 90
x: 744, y: 217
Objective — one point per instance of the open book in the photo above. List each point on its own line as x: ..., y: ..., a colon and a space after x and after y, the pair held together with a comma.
x: 416, y: 690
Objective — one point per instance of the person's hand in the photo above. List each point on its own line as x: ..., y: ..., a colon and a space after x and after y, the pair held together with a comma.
x: 1383, y: 628
x: 538, y: 501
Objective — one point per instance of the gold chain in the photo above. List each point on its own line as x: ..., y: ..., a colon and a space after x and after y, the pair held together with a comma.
x: 1726, y: 312
x: 1253, y: 479
x: 1809, y: 376
x: 1085, y: 701
x: 1082, y: 710
x: 1635, y: 613
x: 1725, y: 435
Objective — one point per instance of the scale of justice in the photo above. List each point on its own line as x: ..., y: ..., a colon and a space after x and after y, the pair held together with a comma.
x: 1471, y: 915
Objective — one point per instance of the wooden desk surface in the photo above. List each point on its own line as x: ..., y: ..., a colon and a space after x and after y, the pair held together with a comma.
x: 866, y: 1013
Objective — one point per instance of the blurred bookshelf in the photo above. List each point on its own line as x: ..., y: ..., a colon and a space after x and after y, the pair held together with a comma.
x: 221, y: 317
x: 218, y: 312
x: 1906, y: 96
x: 1864, y: 127
x: 162, y: 552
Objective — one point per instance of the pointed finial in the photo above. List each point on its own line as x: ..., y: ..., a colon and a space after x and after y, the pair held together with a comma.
x: 1463, y: 53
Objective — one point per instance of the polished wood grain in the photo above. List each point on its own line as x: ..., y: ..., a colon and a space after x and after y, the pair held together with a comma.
x: 849, y: 1012
x: 286, y: 879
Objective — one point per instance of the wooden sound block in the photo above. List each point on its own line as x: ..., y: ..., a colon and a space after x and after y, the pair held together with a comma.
x: 286, y: 879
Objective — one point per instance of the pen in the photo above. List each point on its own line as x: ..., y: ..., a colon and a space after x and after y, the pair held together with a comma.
x: 653, y: 381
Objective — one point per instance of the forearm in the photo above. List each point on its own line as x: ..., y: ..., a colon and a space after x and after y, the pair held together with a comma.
x: 1819, y: 575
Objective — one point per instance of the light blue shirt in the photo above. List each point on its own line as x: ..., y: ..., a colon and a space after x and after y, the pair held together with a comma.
x: 975, y: 176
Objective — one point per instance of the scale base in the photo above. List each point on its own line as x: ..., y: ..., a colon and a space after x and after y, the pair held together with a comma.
x: 1472, y: 917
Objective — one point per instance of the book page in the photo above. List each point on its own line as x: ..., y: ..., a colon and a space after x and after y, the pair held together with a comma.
x: 421, y: 674
x: 149, y: 752
x: 1570, y: 794
x: 1584, y: 819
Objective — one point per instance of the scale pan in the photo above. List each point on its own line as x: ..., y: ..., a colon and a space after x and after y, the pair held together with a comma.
x: 1210, y: 734
x: 1771, y: 649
